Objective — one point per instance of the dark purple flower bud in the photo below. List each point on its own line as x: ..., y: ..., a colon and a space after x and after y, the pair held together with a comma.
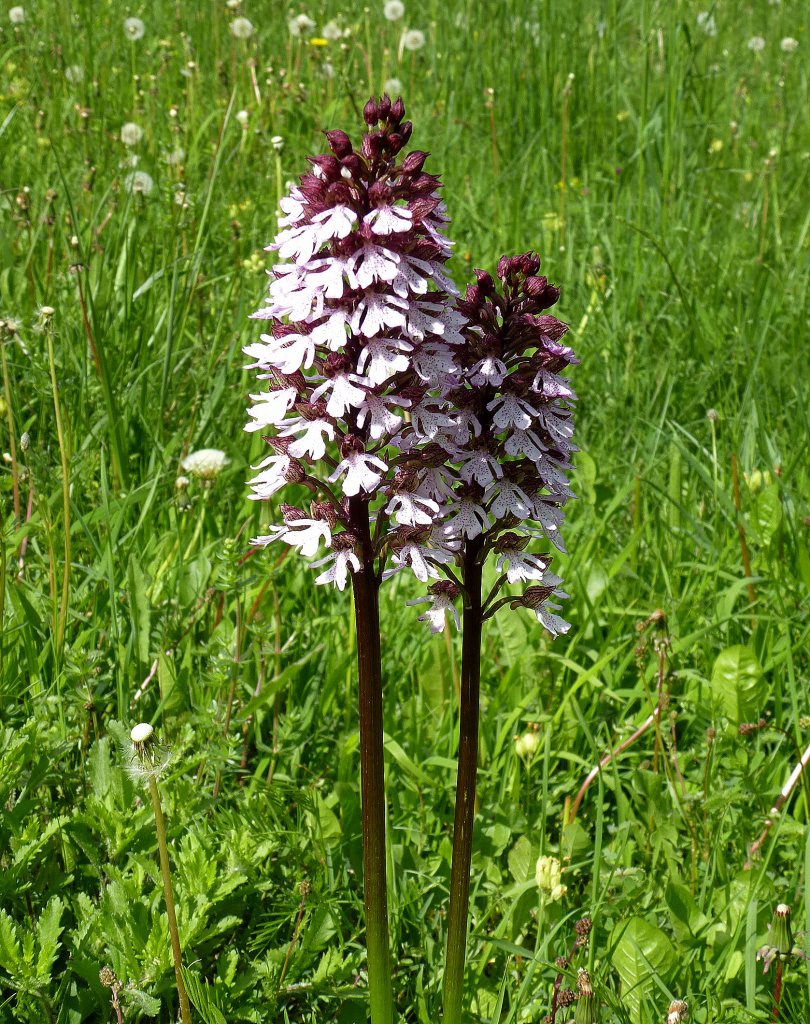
x: 339, y: 143
x: 325, y: 512
x: 329, y: 164
x: 535, y: 286
x: 354, y: 165
x: 370, y: 114
x: 351, y: 445
x: 295, y: 474
x: 532, y: 598
x: 373, y: 145
x: 398, y: 111
x: 383, y: 107
x: 446, y: 588
x: 504, y: 267
x: 292, y: 514
x: 405, y: 130
x: 413, y: 164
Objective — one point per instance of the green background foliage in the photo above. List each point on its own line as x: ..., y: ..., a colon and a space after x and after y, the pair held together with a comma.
x: 665, y: 185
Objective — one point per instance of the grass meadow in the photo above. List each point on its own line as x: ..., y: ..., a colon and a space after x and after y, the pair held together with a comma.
x: 657, y: 155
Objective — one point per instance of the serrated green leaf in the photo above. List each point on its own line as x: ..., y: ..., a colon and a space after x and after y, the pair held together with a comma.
x: 49, y: 928
x: 146, y: 1004
x: 10, y: 950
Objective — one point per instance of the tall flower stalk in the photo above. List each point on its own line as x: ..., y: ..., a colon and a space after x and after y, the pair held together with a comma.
x: 501, y: 448
x: 362, y: 328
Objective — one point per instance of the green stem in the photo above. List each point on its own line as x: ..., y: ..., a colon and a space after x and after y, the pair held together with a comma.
x: 465, y: 786
x: 60, y: 433
x: 163, y: 850
x: 366, y: 586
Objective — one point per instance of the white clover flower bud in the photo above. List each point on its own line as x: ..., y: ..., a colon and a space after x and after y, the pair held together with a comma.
x: 527, y: 745
x: 548, y: 875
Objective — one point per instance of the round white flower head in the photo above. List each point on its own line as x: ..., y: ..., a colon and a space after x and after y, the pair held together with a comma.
x: 141, y: 732
x: 527, y: 745
x: 242, y: 116
x: 300, y: 24
x: 74, y: 73
x: 393, y: 9
x: 789, y: 45
x: 177, y: 156
x: 131, y: 133
x: 241, y: 28
x: 277, y: 142
x: 331, y: 31
x: 134, y: 29
x: 756, y: 44
x: 16, y: 15
x: 205, y: 463
x: 393, y: 87
x: 140, y: 182
x: 413, y: 39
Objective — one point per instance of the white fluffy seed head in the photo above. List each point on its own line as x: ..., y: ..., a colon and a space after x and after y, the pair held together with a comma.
x: 141, y: 733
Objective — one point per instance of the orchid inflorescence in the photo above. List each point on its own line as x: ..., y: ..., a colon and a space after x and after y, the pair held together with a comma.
x: 442, y: 420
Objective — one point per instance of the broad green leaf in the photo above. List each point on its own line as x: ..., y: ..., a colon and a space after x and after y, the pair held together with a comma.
x: 521, y: 862
x: 768, y: 513
x: 738, y: 684
x: 640, y: 951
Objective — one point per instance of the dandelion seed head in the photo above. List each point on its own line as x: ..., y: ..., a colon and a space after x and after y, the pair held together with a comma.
x: 139, y: 182
x: 413, y: 39
x: 300, y: 24
x: 134, y: 29
x: 789, y: 45
x: 393, y: 10
x: 242, y: 28
x: 74, y: 73
x: 177, y: 156
x: 331, y: 31
x: 242, y: 116
x: 205, y: 463
x: 16, y: 15
x: 131, y: 133
x: 756, y: 44
x: 393, y: 87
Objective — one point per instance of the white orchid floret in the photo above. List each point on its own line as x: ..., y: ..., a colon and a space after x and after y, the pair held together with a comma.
x: 441, y: 597
x: 512, y: 412
x: 522, y: 565
x: 410, y: 508
x: 478, y: 465
x: 466, y: 517
x: 331, y: 333
x: 293, y: 208
x: 427, y: 317
x: 507, y: 498
x: 421, y: 551
x: 387, y: 220
x: 360, y: 468
x: 290, y: 353
x: 272, y: 478
x: 435, y: 363
x: 270, y: 408
x: 381, y: 421
x: 525, y: 442
x: 552, y: 385
x: 487, y: 372
x: 306, y: 534
x: 342, y: 390
x: 377, y: 312
x: 336, y: 222
x: 382, y: 358
x: 340, y: 560
x: 372, y: 263
x: 310, y: 441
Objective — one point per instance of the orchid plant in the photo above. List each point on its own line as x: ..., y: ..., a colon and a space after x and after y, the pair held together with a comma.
x: 430, y: 431
x: 362, y: 331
